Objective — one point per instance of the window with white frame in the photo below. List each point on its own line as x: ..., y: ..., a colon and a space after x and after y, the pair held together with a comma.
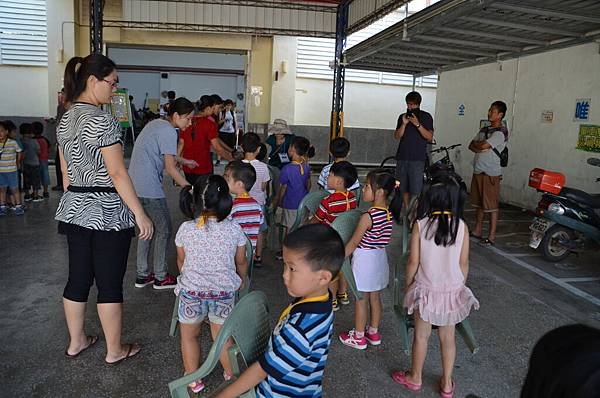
x: 23, y: 36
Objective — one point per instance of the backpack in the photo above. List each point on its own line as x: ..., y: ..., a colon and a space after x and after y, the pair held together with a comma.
x: 504, y: 154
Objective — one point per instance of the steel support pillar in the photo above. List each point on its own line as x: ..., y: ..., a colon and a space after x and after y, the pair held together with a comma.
x: 96, y: 11
x: 337, y: 106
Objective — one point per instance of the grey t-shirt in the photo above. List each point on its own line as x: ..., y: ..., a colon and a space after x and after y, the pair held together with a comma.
x: 488, y: 162
x: 157, y: 139
x: 31, y: 151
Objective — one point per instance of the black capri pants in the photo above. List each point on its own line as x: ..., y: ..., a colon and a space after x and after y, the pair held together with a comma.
x: 99, y: 256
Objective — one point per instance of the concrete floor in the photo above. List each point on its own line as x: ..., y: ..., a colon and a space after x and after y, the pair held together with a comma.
x: 521, y: 297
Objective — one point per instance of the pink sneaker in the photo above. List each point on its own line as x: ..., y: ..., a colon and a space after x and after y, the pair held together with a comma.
x: 168, y: 283
x: 373, y: 338
x: 349, y: 338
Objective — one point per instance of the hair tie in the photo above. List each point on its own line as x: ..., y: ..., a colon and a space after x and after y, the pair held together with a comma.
x: 397, y: 184
x: 218, y: 189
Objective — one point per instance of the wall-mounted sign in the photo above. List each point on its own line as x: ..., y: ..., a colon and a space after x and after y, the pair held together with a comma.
x: 589, y: 138
x: 547, y: 116
x: 461, y: 110
x: 582, y: 109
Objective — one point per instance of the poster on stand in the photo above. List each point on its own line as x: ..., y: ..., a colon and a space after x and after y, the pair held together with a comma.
x: 589, y: 138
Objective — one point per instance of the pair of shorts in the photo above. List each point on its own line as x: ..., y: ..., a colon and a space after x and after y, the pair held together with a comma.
x: 410, y: 175
x: 228, y: 139
x: 195, y: 306
x: 44, y: 173
x: 288, y: 217
x: 31, y: 176
x: 9, y: 180
x: 485, y: 192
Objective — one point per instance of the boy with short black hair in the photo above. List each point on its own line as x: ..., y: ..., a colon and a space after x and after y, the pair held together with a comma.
x: 251, y: 146
x: 341, y: 176
x: 297, y: 353
x: 339, y: 149
x: 9, y: 154
x: 245, y: 210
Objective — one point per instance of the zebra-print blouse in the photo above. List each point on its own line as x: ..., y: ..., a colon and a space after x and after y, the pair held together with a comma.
x: 82, y: 131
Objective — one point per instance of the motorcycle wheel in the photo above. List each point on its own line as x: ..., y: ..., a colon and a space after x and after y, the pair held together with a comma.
x: 550, y: 247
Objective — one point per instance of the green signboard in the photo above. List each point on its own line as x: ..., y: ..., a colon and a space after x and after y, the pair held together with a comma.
x: 120, y: 107
x: 589, y: 138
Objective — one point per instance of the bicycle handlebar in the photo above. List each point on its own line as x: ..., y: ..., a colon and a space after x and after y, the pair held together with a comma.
x: 445, y: 148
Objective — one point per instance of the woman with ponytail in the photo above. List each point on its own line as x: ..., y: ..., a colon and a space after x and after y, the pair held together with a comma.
x: 436, y: 273
x: 99, y: 208
x: 211, y: 256
x: 196, y: 141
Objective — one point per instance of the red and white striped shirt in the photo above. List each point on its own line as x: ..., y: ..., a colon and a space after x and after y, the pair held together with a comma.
x: 380, y: 233
x: 248, y: 214
x: 334, y: 204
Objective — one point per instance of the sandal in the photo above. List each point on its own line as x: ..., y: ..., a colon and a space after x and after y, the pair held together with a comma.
x: 400, y: 378
x: 128, y: 355
x: 472, y: 235
x: 91, y: 341
x: 447, y: 394
x: 487, y: 242
x: 197, y: 386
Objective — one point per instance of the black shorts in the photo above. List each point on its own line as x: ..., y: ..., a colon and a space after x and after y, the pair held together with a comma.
x: 228, y: 139
x: 96, y: 256
x: 31, y: 176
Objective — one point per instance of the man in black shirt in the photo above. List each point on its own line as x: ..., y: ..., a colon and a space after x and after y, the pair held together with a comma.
x: 414, y: 130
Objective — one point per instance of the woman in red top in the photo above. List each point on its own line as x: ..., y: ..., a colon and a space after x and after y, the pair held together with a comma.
x: 196, y: 141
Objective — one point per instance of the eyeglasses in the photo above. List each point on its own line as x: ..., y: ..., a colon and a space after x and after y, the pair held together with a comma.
x: 114, y: 84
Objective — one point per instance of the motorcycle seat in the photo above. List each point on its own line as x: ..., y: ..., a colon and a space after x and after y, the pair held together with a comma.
x: 585, y: 198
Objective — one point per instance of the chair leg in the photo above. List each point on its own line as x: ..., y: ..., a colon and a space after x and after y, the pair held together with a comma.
x: 175, y: 319
x: 465, y: 330
x: 404, y: 325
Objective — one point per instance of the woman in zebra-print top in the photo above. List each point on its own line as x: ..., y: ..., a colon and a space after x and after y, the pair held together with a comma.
x: 99, y: 206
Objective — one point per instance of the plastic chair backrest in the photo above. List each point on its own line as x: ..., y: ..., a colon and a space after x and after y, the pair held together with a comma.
x: 250, y: 259
x: 308, y: 206
x: 248, y: 325
x: 345, y: 224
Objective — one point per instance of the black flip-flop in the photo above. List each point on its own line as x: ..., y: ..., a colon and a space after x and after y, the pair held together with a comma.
x: 91, y: 341
x: 128, y: 355
x: 472, y: 235
x: 487, y: 242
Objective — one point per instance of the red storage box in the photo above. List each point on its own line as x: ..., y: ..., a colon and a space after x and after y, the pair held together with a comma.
x: 547, y: 181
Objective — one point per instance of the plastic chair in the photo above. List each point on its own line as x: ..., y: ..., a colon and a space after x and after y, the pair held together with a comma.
x: 345, y: 224
x: 249, y: 327
x: 308, y: 206
x: 240, y: 293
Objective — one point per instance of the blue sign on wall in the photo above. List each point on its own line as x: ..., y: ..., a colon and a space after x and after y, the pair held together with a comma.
x: 582, y: 109
x: 461, y: 110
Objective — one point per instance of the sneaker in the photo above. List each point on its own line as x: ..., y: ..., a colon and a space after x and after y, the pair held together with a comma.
x: 335, y: 305
x: 257, y: 262
x: 38, y: 198
x: 28, y: 198
x: 168, y: 283
x: 373, y: 338
x: 343, y: 298
x: 19, y: 210
x: 3, y: 210
x: 145, y: 281
x: 349, y: 339
x: 46, y: 195
x: 197, y: 386
x: 227, y: 376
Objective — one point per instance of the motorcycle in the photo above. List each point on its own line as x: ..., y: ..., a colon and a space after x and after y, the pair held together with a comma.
x: 567, y: 219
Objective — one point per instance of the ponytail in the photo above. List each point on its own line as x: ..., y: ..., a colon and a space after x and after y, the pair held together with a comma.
x: 181, y: 106
x: 78, y: 70
x: 187, y: 201
x: 383, y: 179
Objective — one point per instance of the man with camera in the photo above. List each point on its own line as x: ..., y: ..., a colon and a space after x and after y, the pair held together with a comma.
x: 414, y: 130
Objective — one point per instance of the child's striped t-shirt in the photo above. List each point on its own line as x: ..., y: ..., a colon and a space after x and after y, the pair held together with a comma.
x: 334, y: 204
x: 297, y: 352
x: 380, y: 233
x: 248, y: 214
x: 8, y: 155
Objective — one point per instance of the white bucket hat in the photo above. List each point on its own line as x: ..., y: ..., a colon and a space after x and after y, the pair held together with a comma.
x: 279, y: 126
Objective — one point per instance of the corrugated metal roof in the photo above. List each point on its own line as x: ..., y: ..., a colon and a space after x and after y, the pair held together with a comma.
x: 459, y: 33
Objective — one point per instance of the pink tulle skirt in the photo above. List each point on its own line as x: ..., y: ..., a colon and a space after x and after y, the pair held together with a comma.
x: 440, y: 308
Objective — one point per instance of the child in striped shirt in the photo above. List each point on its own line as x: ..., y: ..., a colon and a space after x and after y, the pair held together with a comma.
x: 245, y: 211
x: 293, y: 364
x: 369, y: 259
x: 341, y: 176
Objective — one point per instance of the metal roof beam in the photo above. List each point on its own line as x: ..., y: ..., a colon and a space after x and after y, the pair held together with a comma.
x: 441, y: 57
x: 470, y: 43
x: 379, y: 68
x: 421, y: 46
x: 515, y: 39
x: 545, y: 12
x: 527, y: 27
x: 332, y: 8
x: 394, y: 61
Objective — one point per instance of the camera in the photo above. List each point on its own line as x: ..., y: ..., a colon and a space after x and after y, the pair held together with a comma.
x: 410, y: 113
